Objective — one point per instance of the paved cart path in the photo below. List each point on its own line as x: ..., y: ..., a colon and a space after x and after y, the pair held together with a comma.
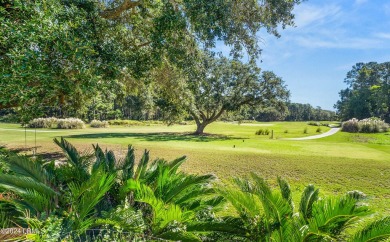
x: 332, y: 131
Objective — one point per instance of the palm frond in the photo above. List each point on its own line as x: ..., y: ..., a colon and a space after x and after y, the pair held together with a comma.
x: 128, y: 164
x: 179, y: 236
x: 285, y: 191
x: 20, y: 184
x: 229, y: 225
x: 378, y: 230
x: 163, y: 213
x: 38, y: 201
x: 246, y: 204
x: 77, y: 160
x: 176, y: 163
x: 24, y: 166
x: 309, y: 196
x: 142, y: 166
x: 185, y: 182
x: 333, y: 215
x: 86, y: 196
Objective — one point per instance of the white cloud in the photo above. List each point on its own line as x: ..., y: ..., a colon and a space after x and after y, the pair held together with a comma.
x: 386, y: 8
x: 306, y: 15
x: 359, y: 2
x: 383, y: 35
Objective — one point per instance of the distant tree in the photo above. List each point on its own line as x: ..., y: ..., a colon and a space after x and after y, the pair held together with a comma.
x: 272, y: 114
x: 368, y: 92
x: 305, y: 112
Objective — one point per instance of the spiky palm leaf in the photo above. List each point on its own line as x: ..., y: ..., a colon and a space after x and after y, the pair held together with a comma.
x: 378, y: 230
x: 20, y: 185
x: 85, y: 196
x: 80, y: 162
x: 164, y: 214
x: 331, y: 216
x: 309, y: 196
x: 24, y: 166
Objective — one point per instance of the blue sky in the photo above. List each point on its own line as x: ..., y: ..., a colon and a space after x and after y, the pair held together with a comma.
x: 330, y: 36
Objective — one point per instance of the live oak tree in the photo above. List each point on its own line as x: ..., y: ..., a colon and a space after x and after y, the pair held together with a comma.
x: 60, y: 53
x: 220, y: 85
x: 216, y: 85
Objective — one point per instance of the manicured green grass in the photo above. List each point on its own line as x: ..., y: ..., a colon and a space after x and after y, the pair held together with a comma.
x: 335, y: 164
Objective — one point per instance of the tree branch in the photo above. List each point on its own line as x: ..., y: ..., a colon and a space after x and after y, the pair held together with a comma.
x: 117, y: 11
x: 217, y: 115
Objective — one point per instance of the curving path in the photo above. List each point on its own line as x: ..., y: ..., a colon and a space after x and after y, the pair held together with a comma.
x: 332, y: 131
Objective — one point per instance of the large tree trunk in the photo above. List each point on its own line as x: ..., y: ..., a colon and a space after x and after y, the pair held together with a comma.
x: 200, y: 128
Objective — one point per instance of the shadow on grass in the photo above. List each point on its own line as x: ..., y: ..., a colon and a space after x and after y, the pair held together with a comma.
x: 160, y: 136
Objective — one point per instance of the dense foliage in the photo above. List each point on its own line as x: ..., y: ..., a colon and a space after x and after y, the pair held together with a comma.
x: 59, y: 55
x: 99, y: 197
x: 368, y: 92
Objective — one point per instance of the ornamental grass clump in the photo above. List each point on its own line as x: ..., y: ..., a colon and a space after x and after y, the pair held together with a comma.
x: 368, y: 125
x: 70, y: 123
x: 47, y: 123
x: 99, y: 124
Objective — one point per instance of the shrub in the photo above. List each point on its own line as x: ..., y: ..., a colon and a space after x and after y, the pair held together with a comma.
x: 351, y: 126
x: 369, y: 125
x: 305, y: 131
x: 314, y: 123
x: 318, y: 130
x: 99, y: 124
x: 47, y: 123
x: 70, y: 123
x: 286, y: 131
x: 262, y: 132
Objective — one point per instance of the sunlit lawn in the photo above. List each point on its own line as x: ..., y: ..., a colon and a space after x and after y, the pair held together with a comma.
x: 336, y: 164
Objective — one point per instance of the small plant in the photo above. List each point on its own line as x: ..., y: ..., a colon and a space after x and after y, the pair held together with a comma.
x: 286, y: 131
x: 305, y: 131
x: 99, y: 124
x: 260, y: 132
x: 319, y: 130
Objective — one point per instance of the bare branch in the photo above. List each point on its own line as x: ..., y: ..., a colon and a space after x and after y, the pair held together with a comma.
x: 117, y: 11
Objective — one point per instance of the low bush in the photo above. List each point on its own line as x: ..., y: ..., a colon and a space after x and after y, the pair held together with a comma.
x: 369, y: 125
x: 262, y: 132
x: 318, y: 130
x: 305, y: 130
x: 99, y: 124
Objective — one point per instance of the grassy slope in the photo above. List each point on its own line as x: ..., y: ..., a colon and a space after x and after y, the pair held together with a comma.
x: 336, y: 164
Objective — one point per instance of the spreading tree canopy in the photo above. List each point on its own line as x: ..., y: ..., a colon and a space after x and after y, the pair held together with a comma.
x: 219, y: 84
x: 60, y: 53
